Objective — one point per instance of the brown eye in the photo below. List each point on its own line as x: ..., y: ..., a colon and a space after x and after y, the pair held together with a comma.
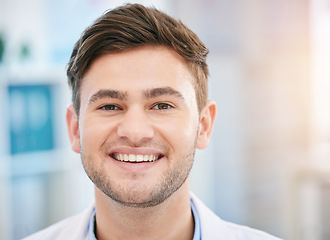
x: 162, y: 106
x: 109, y: 108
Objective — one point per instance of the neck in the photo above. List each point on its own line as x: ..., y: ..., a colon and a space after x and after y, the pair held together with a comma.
x: 171, y: 219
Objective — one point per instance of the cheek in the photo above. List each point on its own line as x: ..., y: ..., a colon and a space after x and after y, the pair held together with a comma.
x: 94, y: 132
x: 180, y: 133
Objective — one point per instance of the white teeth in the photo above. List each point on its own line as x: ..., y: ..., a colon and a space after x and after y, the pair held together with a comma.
x: 135, y: 158
x: 139, y: 158
x: 132, y: 158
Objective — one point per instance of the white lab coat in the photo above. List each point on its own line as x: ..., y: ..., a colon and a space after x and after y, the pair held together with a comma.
x: 212, y: 227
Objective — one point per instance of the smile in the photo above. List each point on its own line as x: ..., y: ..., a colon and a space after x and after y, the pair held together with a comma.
x: 136, y: 158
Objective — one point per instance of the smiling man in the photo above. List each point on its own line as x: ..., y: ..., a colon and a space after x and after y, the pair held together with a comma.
x: 140, y: 110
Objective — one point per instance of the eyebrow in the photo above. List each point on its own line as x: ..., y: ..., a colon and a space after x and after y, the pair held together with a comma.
x: 148, y: 94
x: 156, y: 92
x: 107, y: 94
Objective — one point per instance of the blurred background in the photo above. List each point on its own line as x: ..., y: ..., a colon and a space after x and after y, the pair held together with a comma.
x: 268, y: 165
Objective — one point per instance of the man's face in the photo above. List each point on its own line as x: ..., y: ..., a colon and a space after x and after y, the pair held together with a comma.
x: 138, y: 125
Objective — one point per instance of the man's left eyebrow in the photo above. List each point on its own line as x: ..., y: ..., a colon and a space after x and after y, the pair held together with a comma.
x: 156, y: 92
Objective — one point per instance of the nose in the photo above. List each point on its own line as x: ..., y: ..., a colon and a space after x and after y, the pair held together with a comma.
x: 135, y: 126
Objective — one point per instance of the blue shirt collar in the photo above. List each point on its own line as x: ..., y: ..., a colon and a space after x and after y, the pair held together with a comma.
x: 197, y: 231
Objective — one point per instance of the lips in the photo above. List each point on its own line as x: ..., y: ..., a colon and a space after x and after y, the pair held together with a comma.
x: 135, y: 158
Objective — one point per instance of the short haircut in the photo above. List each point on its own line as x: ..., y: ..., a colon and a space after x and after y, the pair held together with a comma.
x: 131, y: 26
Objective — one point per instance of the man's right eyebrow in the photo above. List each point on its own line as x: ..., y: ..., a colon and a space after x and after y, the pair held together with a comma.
x: 101, y: 94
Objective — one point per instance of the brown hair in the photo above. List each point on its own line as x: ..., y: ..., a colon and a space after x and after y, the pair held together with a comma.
x: 132, y: 26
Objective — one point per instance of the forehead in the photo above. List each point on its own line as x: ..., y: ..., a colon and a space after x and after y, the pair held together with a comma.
x: 138, y: 69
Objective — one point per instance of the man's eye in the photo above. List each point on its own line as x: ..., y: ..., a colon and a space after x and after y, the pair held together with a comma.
x: 109, y: 107
x: 162, y: 106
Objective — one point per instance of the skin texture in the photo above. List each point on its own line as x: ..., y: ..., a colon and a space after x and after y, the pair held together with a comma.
x: 140, y: 102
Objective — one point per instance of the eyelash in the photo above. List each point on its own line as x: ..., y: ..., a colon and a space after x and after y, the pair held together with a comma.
x: 157, y: 106
x: 168, y: 106
x: 108, y: 106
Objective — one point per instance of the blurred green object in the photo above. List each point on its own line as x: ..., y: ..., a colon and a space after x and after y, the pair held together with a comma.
x: 2, y: 48
x: 25, y: 51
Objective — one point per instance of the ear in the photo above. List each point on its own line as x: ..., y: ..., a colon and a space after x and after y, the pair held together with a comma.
x: 206, y: 124
x: 73, y: 128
